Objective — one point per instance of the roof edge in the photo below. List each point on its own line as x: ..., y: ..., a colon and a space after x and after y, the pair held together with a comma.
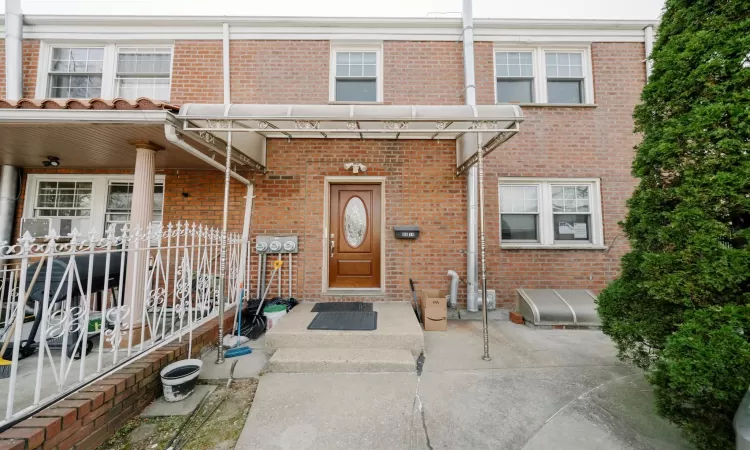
x: 275, y: 21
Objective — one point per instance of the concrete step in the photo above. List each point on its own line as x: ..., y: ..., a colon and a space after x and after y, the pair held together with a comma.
x: 341, y: 360
x: 397, y: 329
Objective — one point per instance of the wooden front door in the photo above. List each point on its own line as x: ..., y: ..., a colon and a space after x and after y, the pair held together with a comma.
x: 354, y: 240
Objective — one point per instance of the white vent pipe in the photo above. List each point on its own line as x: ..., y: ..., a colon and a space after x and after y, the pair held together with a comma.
x: 13, y: 50
x: 453, y: 299
x: 471, y: 175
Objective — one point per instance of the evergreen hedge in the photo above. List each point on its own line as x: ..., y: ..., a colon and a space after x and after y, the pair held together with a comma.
x: 688, y: 221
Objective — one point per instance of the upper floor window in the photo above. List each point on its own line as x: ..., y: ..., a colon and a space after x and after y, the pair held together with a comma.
x: 515, y: 77
x: 356, y: 74
x: 143, y: 72
x: 543, y: 75
x: 76, y: 72
x: 106, y: 71
x: 564, y: 77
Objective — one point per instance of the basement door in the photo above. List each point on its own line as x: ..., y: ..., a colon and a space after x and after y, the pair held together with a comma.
x: 355, y: 240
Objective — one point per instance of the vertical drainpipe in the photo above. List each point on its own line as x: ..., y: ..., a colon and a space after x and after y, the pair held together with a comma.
x: 13, y: 49
x: 225, y: 51
x: 471, y: 178
x: 648, y: 35
x: 13, y: 91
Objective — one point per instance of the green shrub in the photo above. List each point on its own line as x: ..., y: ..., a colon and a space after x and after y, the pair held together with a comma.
x: 688, y: 220
x: 703, y: 373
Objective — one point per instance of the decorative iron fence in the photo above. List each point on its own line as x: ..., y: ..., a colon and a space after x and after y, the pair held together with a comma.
x: 74, y: 309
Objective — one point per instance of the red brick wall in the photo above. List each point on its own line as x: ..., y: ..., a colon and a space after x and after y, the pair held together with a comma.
x: 484, y: 72
x: 30, y: 65
x: 423, y: 73
x: 279, y: 71
x: 572, y: 142
x: 420, y: 189
x: 30, y: 55
x: 197, y: 72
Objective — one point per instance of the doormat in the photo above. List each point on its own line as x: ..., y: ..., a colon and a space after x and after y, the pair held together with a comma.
x: 345, y: 321
x: 342, y: 307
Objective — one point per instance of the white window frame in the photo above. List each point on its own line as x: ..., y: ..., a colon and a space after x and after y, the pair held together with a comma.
x: 534, y: 70
x: 99, y: 191
x: 336, y: 47
x: 546, y: 217
x: 109, y: 71
x: 540, y: 71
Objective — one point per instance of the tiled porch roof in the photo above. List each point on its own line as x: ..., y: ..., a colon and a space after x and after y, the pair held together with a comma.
x: 141, y: 103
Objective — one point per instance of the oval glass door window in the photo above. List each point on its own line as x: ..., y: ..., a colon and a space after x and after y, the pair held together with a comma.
x: 355, y: 222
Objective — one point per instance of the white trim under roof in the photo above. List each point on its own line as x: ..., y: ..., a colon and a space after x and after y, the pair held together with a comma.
x: 129, y: 116
x: 117, y: 28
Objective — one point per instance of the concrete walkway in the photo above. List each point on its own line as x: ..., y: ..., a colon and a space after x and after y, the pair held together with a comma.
x: 543, y: 389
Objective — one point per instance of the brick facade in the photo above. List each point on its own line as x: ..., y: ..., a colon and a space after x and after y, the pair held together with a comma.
x: 420, y: 189
x: 30, y: 55
x: 197, y: 72
x: 580, y: 141
x: 281, y: 72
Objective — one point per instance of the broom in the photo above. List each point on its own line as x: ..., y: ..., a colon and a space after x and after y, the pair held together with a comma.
x: 5, y: 365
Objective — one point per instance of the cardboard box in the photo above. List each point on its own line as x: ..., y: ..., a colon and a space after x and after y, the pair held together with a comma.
x: 434, y: 306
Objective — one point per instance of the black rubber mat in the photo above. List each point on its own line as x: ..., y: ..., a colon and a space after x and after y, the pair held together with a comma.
x: 348, y: 320
x: 342, y: 307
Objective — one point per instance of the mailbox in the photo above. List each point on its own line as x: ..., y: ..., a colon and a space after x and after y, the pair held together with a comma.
x: 406, y: 232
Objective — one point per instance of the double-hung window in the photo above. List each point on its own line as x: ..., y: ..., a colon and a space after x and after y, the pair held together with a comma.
x: 543, y: 75
x: 550, y: 212
x: 75, y: 72
x: 104, y: 71
x: 143, y: 72
x: 120, y: 201
x: 91, y: 202
x: 565, y: 79
x: 515, y: 77
x: 356, y: 73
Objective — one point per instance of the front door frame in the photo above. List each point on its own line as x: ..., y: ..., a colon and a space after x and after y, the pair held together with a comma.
x: 325, y: 238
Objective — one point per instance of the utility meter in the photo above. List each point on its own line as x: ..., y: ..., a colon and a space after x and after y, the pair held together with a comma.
x: 289, y: 246
x: 275, y: 246
x: 261, y: 247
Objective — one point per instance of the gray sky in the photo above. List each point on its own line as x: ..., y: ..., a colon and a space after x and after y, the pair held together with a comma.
x: 533, y: 9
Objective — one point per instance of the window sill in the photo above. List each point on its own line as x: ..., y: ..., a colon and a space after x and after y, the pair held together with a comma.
x: 553, y: 105
x: 335, y: 102
x: 507, y: 246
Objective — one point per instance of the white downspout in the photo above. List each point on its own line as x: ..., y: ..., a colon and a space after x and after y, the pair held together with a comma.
x: 648, y: 38
x: 225, y: 45
x: 471, y: 178
x: 13, y: 91
x: 13, y: 50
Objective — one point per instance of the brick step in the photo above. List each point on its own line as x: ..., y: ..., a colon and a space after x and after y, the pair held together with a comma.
x: 340, y: 360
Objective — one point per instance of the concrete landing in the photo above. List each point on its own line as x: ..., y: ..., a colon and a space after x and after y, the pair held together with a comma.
x: 300, y: 360
x: 161, y: 407
x: 397, y: 329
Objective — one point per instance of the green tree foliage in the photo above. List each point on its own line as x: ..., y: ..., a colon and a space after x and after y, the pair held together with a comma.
x: 689, y: 218
x: 689, y: 222
x: 703, y: 373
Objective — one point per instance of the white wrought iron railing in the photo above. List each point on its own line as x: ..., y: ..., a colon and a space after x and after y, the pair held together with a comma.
x: 80, y: 308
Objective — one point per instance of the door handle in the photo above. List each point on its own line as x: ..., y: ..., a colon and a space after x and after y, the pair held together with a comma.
x: 333, y: 244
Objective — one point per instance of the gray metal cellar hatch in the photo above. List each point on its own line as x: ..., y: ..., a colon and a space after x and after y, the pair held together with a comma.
x: 549, y: 307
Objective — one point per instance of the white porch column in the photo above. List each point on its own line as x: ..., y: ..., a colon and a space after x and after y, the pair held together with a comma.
x: 140, y: 217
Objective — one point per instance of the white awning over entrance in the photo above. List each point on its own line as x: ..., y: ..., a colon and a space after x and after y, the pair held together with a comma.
x: 487, y: 125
